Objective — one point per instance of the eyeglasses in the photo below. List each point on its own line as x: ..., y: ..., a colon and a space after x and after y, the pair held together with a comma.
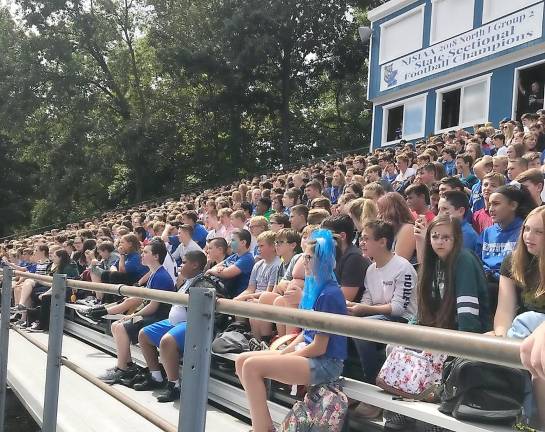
x: 279, y: 242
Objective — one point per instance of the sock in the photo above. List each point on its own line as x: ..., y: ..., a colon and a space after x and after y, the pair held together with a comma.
x: 157, y: 376
x: 176, y: 383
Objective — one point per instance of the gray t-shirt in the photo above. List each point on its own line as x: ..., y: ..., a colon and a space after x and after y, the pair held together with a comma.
x: 264, y: 274
x: 285, y: 272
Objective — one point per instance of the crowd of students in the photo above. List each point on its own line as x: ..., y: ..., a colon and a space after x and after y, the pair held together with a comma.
x: 446, y: 232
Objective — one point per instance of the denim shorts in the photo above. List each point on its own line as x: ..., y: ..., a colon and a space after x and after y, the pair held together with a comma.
x: 324, y: 370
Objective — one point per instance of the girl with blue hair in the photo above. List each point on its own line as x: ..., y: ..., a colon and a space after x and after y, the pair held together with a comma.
x: 313, y: 357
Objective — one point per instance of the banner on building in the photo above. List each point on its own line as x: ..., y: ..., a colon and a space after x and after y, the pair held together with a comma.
x: 490, y: 39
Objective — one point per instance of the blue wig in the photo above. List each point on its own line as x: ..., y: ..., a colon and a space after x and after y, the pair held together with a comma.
x: 323, y: 270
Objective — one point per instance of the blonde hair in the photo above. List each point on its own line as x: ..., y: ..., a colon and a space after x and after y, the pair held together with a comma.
x: 268, y: 237
x: 363, y: 210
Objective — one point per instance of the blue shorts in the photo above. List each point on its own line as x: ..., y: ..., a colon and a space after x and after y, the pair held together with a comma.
x: 324, y: 370
x: 157, y: 330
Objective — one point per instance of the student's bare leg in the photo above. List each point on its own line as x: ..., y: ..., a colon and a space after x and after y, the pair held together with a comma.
x: 288, y: 369
x: 96, y: 279
x: 263, y: 328
x: 125, y: 306
x: 149, y: 351
x: 123, y: 344
x: 26, y: 291
x: 170, y: 356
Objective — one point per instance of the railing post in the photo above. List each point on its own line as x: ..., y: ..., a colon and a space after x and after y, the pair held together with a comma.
x: 196, y: 366
x: 54, y: 353
x: 7, y: 276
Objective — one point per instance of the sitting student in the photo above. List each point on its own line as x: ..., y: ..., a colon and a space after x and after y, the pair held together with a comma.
x: 521, y: 292
x: 265, y: 271
x: 285, y: 293
x: 481, y: 218
x: 216, y: 252
x: 130, y: 268
x: 169, y: 336
x: 62, y: 264
x: 482, y: 167
x: 125, y: 331
x: 351, y: 264
x: 279, y: 221
x: 43, y: 267
x: 390, y: 295
x: 450, y: 183
x: 290, y: 199
x: 257, y: 225
x: 298, y: 217
x: 418, y: 200
x: 236, y: 269
x: 190, y: 217
x: 313, y: 357
x: 500, y: 149
x: 373, y: 191
x: 464, y: 165
x: 455, y: 204
x: 533, y: 180
x: 515, y: 167
x: 452, y: 290
x: 448, y: 156
x: 361, y: 211
x: 508, y: 207
x: 185, y: 235
x: 264, y: 208
x: 108, y: 261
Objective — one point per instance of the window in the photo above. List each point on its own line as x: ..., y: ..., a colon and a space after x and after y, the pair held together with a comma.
x: 402, y: 35
x: 404, y: 120
x: 493, y: 9
x: 443, y: 26
x: 463, y: 105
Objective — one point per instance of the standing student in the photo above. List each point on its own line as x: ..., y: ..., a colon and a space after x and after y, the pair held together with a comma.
x: 313, y: 357
x: 521, y: 301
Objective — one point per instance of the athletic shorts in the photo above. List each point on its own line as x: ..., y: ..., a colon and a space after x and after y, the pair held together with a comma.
x: 324, y: 370
x: 156, y: 331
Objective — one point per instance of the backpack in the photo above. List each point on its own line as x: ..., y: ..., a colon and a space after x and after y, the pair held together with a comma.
x: 323, y: 409
x: 477, y: 391
x: 221, y: 321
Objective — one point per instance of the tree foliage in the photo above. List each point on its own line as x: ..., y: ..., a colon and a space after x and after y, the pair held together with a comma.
x: 107, y: 102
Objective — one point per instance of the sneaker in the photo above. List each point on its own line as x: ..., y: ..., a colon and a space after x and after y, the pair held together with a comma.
x: 255, y: 345
x: 15, y: 317
x: 397, y: 422
x: 97, y: 311
x: 138, y: 377
x: 21, y: 324
x: 84, y: 314
x: 169, y: 394
x: 148, y: 384
x: 36, y: 327
x: 113, y: 376
x: 18, y: 308
x: 366, y: 411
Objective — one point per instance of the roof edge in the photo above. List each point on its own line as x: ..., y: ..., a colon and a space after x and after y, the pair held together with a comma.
x: 388, y: 8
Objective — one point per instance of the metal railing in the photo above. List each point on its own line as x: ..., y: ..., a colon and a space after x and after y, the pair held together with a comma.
x: 200, y: 322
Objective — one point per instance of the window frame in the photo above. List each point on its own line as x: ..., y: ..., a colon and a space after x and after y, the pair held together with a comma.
x: 384, y: 26
x: 461, y: 85
x: 488, y: 19
x: 433, y: 38
x: 423, y: 97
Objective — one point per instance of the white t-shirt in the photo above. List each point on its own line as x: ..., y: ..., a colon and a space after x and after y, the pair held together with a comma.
x: 170, y: 266
x: 181, y: 250
x: 502, y: 151
x: 409, y: 173
x: 178, y: 313
x: 394, y: 284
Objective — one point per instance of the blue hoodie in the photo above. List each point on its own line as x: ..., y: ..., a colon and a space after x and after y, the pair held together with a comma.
x: 497, y: 243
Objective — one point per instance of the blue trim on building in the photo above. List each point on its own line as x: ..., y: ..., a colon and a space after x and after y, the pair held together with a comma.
x: 502, y: 83
x: 478, y: 13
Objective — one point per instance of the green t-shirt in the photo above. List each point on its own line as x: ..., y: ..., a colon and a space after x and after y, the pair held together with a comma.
x: 527, y: 294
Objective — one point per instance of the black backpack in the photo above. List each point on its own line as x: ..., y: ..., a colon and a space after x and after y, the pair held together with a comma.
x: 482, y: 392
x: 221, y: 321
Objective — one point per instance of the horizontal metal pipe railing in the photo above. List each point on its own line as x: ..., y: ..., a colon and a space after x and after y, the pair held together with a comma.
x: 473, y: 346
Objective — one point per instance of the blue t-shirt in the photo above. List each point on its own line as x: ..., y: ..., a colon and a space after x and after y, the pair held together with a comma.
x: 476, y: 199
x: 133, y: 266
x: 245, y: 263
x: 450, y: 168
x: 472, y: 240
x: 330, y: 300
x: 174, y: 242
x: 161, y: 280
x: 199, y: 235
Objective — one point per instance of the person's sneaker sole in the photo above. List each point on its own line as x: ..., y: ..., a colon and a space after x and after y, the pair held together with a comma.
x: 85, y: 317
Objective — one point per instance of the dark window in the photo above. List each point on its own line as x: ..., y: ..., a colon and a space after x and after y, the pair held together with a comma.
x: 450, y: 109
x: 395, y: 124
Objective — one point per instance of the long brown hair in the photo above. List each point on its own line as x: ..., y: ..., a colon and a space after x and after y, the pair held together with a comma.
x: 394, y: 209
x: 433, y: 311
x: 521, y: 258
